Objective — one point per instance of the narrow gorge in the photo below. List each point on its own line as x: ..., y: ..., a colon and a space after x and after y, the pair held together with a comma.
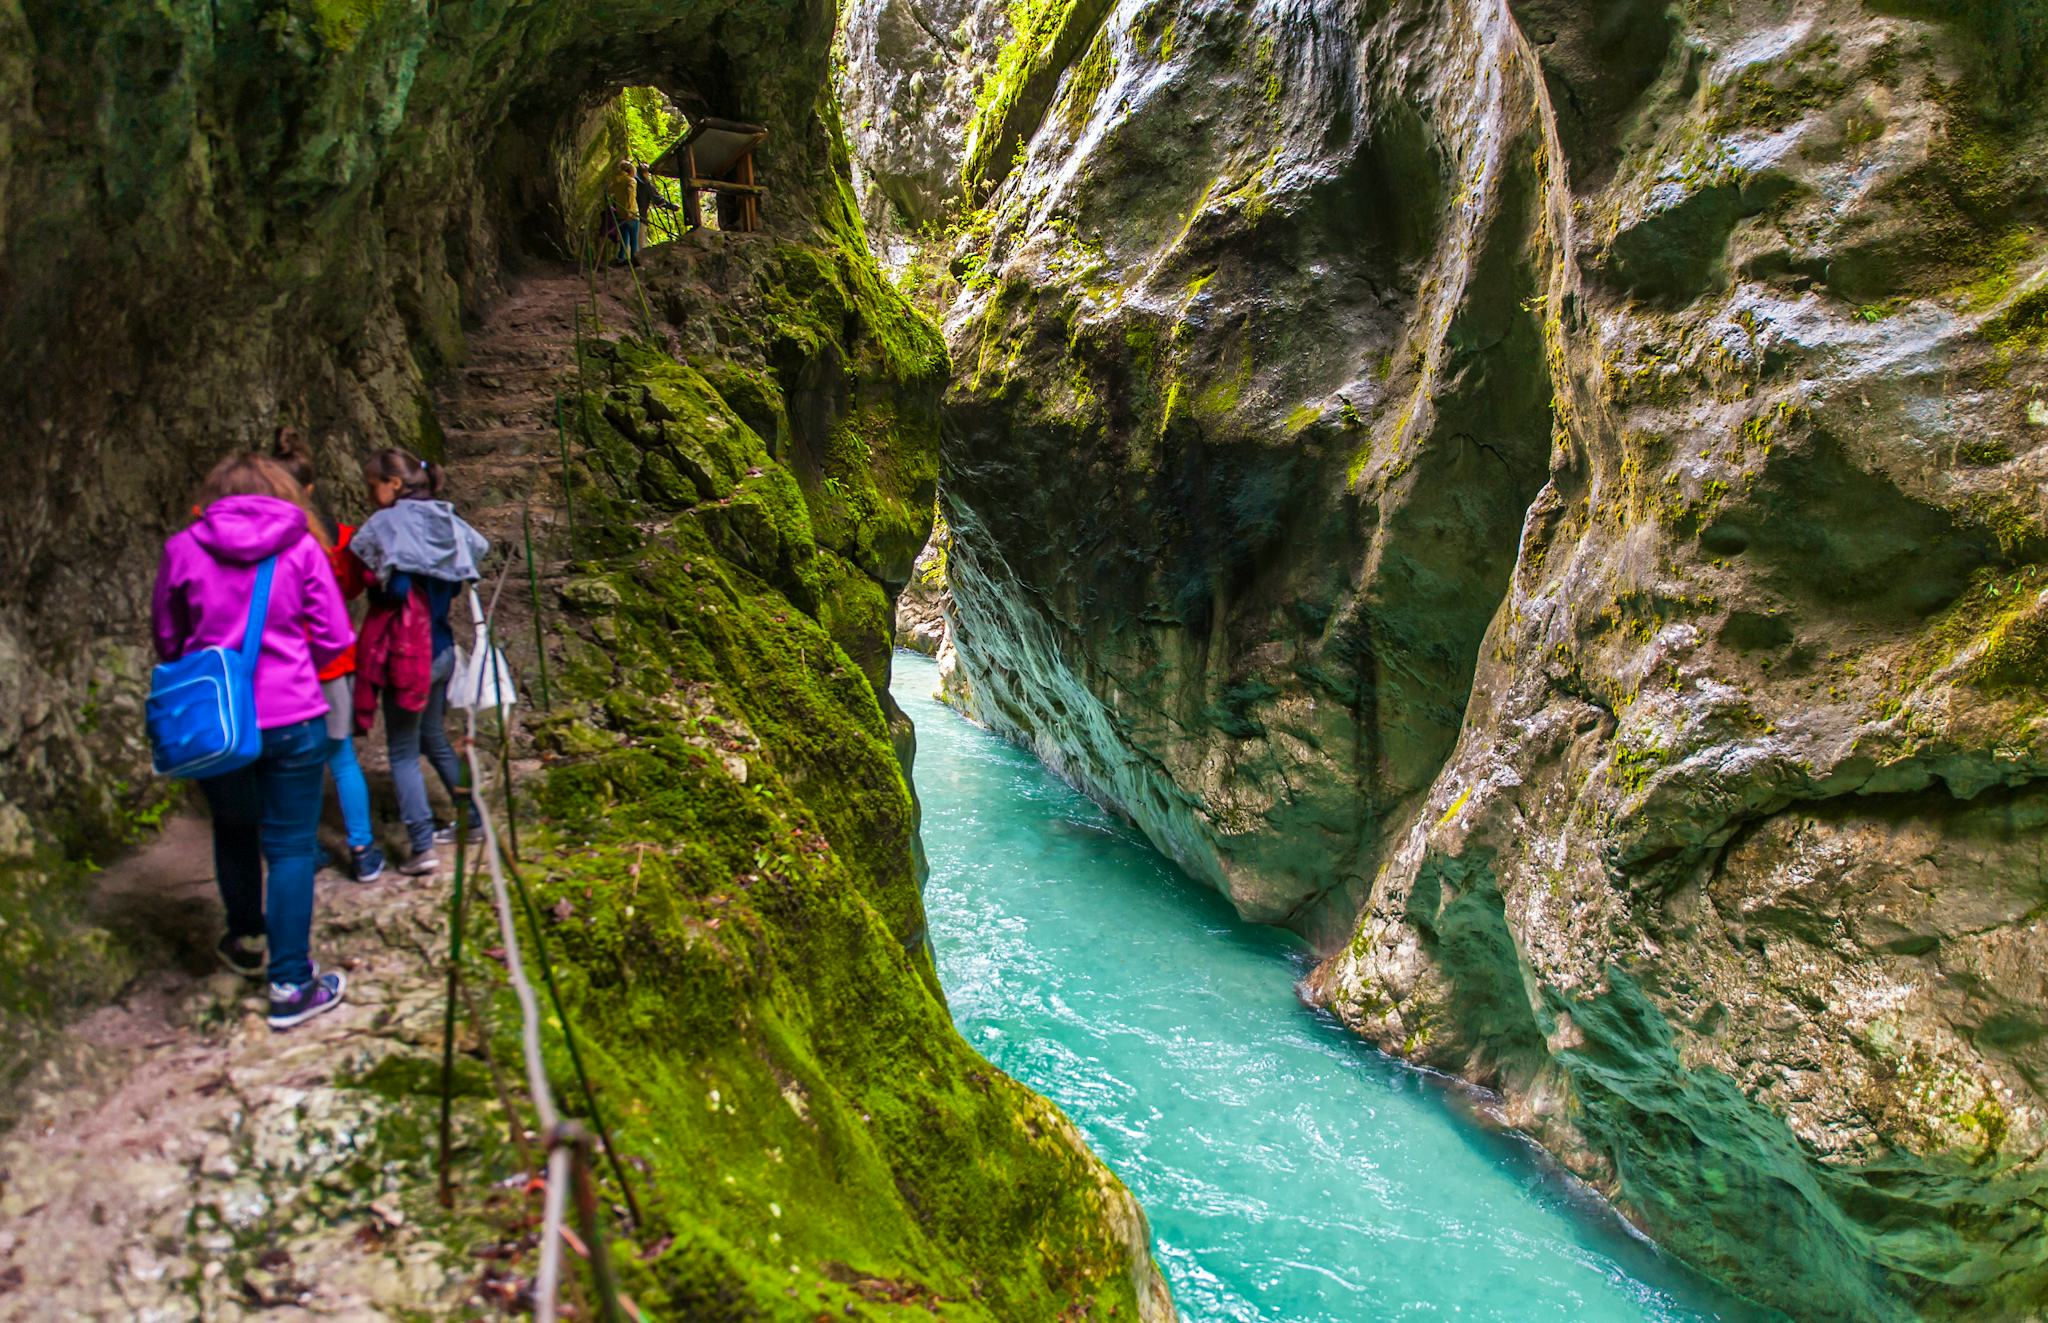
x: 1546, y: 501
x: 1540, y: 508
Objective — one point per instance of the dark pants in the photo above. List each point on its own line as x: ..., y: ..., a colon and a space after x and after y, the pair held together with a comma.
x: 424, y: 732
x: 629, y: 238
x: 269, y: 813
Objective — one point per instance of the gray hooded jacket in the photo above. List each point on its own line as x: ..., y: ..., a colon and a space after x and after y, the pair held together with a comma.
x: 420, y: 537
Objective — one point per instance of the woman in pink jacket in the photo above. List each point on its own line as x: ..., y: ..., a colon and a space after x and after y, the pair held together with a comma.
x: 269, y: 811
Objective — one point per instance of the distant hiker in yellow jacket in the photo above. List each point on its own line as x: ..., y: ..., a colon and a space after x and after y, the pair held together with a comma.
x: 625, y: 187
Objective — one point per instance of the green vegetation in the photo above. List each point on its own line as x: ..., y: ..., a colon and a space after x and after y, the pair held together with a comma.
x: 341, y: 22
x: 1958, y: 236
x: 1090, y: 79
x: 2015, y: 656
x: 728, y: 856
x: 648, y: 122
x: 53, y: 964
x: 2023, y: 324
x: 1046, y: 37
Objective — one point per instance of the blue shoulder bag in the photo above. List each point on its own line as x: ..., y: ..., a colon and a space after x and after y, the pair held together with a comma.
x: 202, y: 707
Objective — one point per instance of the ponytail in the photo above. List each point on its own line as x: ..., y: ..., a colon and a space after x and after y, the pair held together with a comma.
x: 418, y: 479
x: 293, y: 457
x: 295, y: 460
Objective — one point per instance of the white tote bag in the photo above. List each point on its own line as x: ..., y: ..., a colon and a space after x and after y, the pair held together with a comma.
x: 482, y: 679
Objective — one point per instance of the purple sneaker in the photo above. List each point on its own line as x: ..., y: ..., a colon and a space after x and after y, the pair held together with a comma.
x: 292, y: 1006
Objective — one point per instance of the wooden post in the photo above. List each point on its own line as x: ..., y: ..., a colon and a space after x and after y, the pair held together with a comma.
x: 446, y: 1192
x: 693, y: 207
x: 584, y: 1192
x: 750, y: 204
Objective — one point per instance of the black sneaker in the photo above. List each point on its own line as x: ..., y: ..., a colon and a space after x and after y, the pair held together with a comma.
x: 292, y: 1006
x: 444, y: 832
x: 369, y: 863
x: 247, y: 956
x: 422, y: 863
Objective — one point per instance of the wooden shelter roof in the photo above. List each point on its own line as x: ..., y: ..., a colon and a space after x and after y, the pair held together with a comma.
x: 717, y: 145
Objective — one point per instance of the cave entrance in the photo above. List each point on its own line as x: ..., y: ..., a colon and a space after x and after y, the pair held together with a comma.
x: 680, y: 156
x: 693, y: 116
x: 640, y: 124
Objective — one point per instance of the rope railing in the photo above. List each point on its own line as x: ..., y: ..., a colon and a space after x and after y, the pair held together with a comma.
x: 569, y: 1146
x: 457, y: 925
x: 540, y: 652
x: 569, y: 1164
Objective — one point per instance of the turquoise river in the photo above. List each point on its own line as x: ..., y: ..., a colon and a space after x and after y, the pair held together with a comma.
x: 1291, y: 1174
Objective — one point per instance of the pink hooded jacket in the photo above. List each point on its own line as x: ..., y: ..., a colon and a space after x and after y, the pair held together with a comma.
x: 202, y: 593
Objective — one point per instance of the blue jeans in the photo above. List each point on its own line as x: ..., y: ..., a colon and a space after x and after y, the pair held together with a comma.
x: 353, y: 792
x: 413, y: 733
x: 629, y: 239
x: 269, y: 813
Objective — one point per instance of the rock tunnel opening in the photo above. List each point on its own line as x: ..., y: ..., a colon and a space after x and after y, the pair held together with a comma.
x: 554, y: 161
x: 547, y: 166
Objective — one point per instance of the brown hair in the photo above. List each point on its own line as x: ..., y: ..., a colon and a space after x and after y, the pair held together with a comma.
x: 293, y: 457
x: 258, y: 475
x: 248, y: 475
x: 419, y: 479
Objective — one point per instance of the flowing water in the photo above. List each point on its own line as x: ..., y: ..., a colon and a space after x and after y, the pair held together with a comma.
x: 1290, y: 1173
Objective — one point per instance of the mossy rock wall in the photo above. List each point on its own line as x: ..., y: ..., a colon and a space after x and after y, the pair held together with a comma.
x: 1545, y: 499
x: 731, y: 864
x: 219, y: 218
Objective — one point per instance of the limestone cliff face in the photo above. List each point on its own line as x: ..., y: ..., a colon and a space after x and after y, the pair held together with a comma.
x: 1253, y: 248
x: 1548, y: 500
x: 220, y: 217
x: 907, y: 85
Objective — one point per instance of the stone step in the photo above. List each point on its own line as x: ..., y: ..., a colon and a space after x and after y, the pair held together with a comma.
x: 474, y: 417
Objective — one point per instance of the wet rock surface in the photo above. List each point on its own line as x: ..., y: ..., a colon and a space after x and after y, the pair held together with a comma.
x: 907, y: 82
x: 1549, y: 504
x: 922, y: 607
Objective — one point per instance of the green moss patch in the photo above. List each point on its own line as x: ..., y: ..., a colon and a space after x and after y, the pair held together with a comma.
x: 728, y: 854
x: 1048, y: 36
x: 53, y: 964
x: 739, y: 933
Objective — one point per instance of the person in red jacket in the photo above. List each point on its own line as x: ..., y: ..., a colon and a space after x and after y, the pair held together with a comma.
x: 337, y: 679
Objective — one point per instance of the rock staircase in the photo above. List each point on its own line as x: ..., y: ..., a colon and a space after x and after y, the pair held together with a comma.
x: 498, y: 416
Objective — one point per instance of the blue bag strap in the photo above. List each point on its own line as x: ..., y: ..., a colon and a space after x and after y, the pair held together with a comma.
x: 259, y: 610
